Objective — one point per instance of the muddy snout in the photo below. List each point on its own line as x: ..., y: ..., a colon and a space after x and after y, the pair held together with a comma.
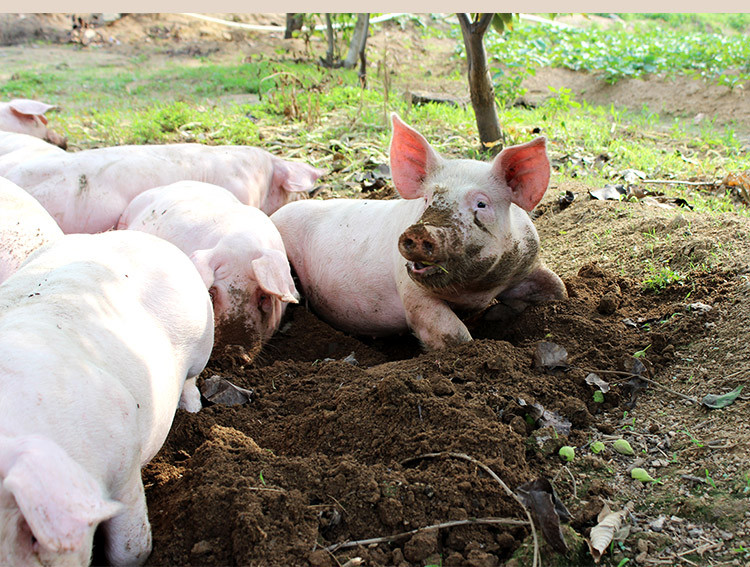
x: 419, y: 244
x: 56, y: 139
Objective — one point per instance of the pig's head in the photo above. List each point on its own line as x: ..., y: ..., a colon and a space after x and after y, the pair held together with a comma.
x: 50, y: 506
x: 290, y: 181
x: 473, y: 234
x: 28, y: 117
x: 249, y: 293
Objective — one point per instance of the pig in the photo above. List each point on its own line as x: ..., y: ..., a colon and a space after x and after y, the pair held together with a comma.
x: 24, y: 227
x: 87, y: 191
x: 459, y: 237
x: 18, y: 148
x: 28, y: 117
x: 101, y: 338
x: 236, y: 249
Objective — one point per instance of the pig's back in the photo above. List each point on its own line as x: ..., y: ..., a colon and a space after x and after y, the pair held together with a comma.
x: 24, y: 226
x: 345, y: 253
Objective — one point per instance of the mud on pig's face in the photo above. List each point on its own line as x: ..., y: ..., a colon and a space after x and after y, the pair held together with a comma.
x: 471, y: 234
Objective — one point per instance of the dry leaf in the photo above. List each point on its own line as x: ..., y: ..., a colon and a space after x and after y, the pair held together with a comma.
x: 604, y: 532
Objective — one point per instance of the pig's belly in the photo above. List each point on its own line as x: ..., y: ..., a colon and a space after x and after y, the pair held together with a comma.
x: 358, y: 306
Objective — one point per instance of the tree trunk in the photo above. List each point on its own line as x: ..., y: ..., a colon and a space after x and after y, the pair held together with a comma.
x: 328, y: 61
x: 293, y: 23
x: 359, y: 41
x: 480, y: 83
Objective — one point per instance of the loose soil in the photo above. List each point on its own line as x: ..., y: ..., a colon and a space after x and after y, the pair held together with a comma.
x: 332, y: 446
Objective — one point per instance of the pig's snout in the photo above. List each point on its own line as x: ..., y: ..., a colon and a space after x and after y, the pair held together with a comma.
x: 418, y: 244
x: 56, y: 139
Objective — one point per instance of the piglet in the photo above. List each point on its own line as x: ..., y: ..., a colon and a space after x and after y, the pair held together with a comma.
x: 87, y: 191
x: 28, y: 117
x: 24, y: 227
x: 236, y: 248
x: 101, y: 336
x: 458, y: 239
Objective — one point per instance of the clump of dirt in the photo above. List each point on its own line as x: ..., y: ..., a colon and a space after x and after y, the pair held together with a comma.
x: 318, y: 457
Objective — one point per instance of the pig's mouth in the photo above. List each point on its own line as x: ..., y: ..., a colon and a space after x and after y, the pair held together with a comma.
x: 423, y: 269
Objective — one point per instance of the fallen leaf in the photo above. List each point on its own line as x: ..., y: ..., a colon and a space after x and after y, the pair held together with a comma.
x: 609, y: 193
x: 218, y: 390
x: 604, y: 532
x: 594, y: 380
x: 547, y: 509
x: 712, y: 401
x: 550, y: 357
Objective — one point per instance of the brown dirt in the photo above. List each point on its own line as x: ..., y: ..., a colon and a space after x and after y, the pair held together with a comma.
x: 319, y: 456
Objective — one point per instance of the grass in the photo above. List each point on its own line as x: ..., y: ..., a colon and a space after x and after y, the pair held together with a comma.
x: 283, y: 104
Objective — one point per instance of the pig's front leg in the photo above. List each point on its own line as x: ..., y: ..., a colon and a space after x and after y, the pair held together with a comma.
x: 430, y: 319
x: 190, y: 399
x: 128, y: 535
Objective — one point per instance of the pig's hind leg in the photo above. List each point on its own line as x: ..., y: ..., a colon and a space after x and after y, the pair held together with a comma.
x: 540, y: 285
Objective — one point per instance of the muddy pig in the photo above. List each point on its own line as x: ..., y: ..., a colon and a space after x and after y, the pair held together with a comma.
x: 24, y: 227
x: 101, y: 338
x: 28, y: 117
x: 236, y: 248
x: 459, y: 238
x: 87, y: 191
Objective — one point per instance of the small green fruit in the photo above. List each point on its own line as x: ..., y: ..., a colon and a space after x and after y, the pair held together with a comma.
x: 597, y: 447
x: 567, y: 452
x: 623, y: 447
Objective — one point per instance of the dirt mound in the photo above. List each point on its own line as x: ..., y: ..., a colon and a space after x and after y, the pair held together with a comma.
x: 318, y: 456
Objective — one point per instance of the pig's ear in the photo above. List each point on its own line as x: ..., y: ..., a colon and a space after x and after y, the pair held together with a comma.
x: 24, y: 108
x: 294, y: 176
x: 412, y: 158
x: 60, y: 501
x: 274, y: 276
x: 203, y: 262
x: 525, y: 169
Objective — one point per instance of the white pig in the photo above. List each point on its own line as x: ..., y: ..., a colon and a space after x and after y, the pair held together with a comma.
x: 18, y: 148
x: 87, y: 191
x: 28, y: 117
x: 101, y: 336
x: 236, y: 248
x: 24, y: 227
x: 459, y: 238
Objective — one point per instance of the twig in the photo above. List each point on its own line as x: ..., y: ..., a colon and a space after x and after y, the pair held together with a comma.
x: 490, y: 472
x: 454, y: 523
x: 676, y: 182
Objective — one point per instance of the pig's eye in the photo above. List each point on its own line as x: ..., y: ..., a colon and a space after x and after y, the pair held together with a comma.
x: 264, y: 302
x: 481, y: 205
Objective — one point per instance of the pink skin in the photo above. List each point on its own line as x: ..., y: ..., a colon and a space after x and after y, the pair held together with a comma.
x: 16, y: 149
x: 28, y: 117
x: 459, y: 238
x: 236, y: 248
x: 101, y: 338
x: 87, y: 191
x: 24, y: 227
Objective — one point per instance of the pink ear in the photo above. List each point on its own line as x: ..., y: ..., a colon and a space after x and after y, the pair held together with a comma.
x: 525, y: 169
x: 412, y: 158
x: 202, y: 261
x: 294, y: 176
x: 25, y: 108
x: 273, y: 275
x: 58, y: 498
